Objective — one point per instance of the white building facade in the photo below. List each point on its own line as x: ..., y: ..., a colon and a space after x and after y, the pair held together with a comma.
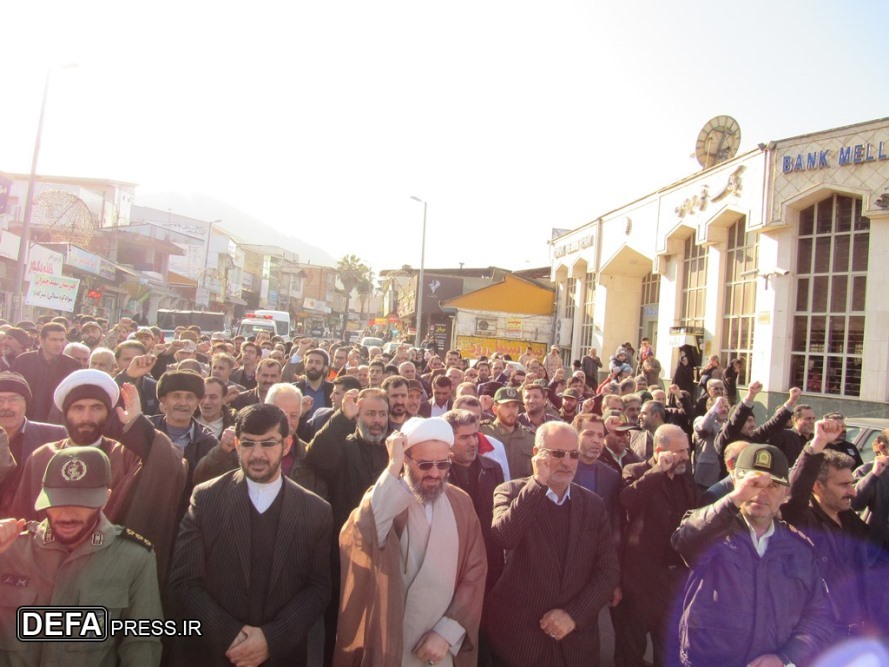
x: 768, y: 257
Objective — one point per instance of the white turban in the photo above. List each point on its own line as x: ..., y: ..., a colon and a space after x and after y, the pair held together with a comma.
x: 100, y: 383
x: 418, y: 430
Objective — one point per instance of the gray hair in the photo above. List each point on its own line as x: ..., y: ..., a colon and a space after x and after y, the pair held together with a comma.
x: 282, y: 389
x: 665, y: 433
x: 551, y: 428
x: 99, y: 351
x: 80, y: 347
x: 458, y: 418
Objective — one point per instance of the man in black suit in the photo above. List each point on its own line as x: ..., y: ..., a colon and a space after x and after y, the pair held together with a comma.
x: 656, y: 494
x: 22, y: 436
x: 561, y: 567
x: 252, y: 559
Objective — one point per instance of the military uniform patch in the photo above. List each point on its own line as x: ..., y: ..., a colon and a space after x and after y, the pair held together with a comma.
x: 133, y: 536
x: 97, y: 539
x: 763, y: 459
x: 796, y: 531
x: 16, y: 580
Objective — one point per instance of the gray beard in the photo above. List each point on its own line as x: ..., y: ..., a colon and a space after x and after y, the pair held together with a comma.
x: 368, y: 437
x: 425, y: 495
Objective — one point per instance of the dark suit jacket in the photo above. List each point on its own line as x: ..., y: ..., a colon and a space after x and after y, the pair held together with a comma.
x: 655, y: 505
x: 328, y: 390
x: 210, y: 574
x: 246, y: 398
x: 534, y: 581
x: 35, y: 435
x: 426, y: 408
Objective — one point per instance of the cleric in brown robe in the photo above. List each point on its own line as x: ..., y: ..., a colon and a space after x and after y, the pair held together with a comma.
x: 413, y: 561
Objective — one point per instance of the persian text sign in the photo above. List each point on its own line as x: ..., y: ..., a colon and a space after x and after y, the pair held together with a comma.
x: 56, y: 292
x: 475, y: 346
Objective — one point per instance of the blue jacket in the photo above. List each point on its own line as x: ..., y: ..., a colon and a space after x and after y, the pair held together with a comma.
x: 738, y: 606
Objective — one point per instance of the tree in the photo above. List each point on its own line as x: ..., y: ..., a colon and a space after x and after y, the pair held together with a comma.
x: 351, y: 270
x: 365, y: 288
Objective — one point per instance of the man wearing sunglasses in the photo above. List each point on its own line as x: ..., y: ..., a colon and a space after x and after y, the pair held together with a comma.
x: 252, y: 560
x: 413, y: 560
x: 561, y: 566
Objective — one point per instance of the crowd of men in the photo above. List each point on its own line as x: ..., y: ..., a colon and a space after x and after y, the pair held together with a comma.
x: 317, y: 503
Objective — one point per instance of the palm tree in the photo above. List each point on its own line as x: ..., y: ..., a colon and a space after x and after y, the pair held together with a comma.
x: 350, y: 269
x: 365, y: 288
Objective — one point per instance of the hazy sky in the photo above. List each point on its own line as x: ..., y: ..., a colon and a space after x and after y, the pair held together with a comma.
x: 508, y: 117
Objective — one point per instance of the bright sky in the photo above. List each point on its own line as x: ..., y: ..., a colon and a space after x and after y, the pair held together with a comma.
x: 509, y: 117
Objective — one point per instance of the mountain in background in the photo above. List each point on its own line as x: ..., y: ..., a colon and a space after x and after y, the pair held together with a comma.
x: 241, y: 225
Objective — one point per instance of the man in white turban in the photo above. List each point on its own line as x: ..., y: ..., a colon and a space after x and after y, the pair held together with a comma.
x: 413, y: 561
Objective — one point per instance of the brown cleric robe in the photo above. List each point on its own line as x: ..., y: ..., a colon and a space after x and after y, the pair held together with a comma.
x: 370, y: 628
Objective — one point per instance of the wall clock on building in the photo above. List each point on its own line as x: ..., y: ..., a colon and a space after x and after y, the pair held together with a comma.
x: 718, y: 141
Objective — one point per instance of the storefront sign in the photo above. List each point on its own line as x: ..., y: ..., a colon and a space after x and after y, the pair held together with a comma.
x: 574, y: 245
x: 475, y: 346
x: 44, y: 260
x: 81, y: 259
x: 847, y: 155
x: 55, y: 292
x: 513, y: 326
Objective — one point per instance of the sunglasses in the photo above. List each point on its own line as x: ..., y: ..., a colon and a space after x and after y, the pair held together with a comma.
x: 561, y: 453
x: 427, y: 465
x: 265, y: 444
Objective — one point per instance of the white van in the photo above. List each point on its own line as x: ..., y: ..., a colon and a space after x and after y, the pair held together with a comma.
x: 281, y: 318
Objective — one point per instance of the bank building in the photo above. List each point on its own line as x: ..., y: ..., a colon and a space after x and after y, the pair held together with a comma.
x: 776, y: 256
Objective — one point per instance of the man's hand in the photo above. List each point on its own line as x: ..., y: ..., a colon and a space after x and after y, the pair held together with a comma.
x: 306, y: 405
x: 826, y: 431
x: 175, y: 346
x: 557, y: 624
x: 487, y: 402
x: 227, y: 440
x: 141, y: 365
x: 616, y: 596
x: 719, y: 403
x: 880, y: 464
x: 252, y: 651
x: 395, y: 444
x: 768, y: 660
x: 231, y: 393
x: 350, y: 404
x: 540, y: 465
x: 795, y: 394
x: 589, y: 405
x: 305, y: 344
x: 432, y: 648
x: 665, y: 461
x: 132, y: 405
x: 611, y: 423
x: 160, y: 348
x: 752, y: 390
x: 9, y: 532
x: 749, y: 486
x: 674, y: 390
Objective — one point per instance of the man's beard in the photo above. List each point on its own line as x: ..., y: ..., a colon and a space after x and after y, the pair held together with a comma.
x: 398, y: 410
x: 679, y: 469
x: 86, y: 433
x: 421, y: 493
x: 368, y: 437
x: 264, y: 474
x: 88, y: 527
x: 313, y: 374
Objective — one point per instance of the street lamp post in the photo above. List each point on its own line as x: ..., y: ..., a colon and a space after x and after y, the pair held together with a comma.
x: 25, y: 241
x: 418, y: 339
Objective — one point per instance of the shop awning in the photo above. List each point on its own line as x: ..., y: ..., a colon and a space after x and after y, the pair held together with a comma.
x: 180, y: 280
x: 235, y: 300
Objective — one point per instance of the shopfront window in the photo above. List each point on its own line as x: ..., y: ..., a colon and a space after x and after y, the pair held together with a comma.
x: 570, y: 298
x: 828, y: 324
x: 694, y: 283
x: 741, y: 264
x: 648, y: 313
x: 589, y: 302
